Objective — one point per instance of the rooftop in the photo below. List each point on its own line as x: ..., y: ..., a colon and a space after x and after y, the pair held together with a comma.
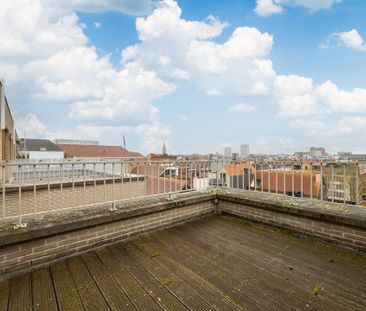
x: 97, y: 151
x: 213, y: 263
x: 31, y: 144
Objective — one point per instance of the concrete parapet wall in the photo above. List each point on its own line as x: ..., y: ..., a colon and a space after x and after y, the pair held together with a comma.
x: 44, y: 242
x: 335, y: 223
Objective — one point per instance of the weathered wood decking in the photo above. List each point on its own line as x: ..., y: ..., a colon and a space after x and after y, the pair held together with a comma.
x: 216, y: 263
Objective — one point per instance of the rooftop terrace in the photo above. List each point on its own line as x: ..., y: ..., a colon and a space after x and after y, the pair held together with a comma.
x: 213, y: 263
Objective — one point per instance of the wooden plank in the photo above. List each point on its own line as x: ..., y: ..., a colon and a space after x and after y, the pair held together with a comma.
x: 176, y: 286
x: 265, y: 243
x: 111, y: 291
x: 20, y: 298
x: 44, y: 298
x: 66, y: 292
x: 160, y: 294
x: 135, y: 292
x: 190, y: 258
x: 89, y: 293
x: 4, y: 294
x: 213, y: 296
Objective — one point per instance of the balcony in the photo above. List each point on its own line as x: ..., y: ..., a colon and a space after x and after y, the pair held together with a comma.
x: 165, y: 236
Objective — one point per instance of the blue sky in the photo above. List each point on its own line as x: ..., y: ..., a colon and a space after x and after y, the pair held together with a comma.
x: 281, y: 75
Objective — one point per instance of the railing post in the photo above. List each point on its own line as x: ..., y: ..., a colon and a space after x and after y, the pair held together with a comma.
x: 4, y: 190
x: 20, y: 220
x: 321, y: 182
x: 344, y: 185
x: 357, y: 184
x: 311, y: 180
x: 332, y: 180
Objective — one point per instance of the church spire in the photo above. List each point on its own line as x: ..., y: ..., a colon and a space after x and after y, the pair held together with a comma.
x: 164, y: 149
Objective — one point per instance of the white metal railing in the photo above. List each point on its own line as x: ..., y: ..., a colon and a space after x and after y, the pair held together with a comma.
x: 30, y: 188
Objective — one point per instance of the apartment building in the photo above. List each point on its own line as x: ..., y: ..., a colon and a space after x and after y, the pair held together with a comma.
x: 8, y: 137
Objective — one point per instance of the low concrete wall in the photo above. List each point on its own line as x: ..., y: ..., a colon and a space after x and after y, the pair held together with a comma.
x: 64, y: 234
x: 46, y: 241
x: 340, y: 224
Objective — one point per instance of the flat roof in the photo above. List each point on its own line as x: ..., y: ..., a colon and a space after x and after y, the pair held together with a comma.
x: 214, y: 263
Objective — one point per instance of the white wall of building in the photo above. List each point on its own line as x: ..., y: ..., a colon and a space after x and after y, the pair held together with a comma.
x: 42, y: 155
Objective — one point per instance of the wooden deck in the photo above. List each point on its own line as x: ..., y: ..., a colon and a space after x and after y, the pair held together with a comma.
x: 216, y: 263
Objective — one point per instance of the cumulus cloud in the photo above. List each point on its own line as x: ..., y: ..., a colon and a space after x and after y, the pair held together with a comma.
x: 242, y: 108
x: 310, y: 126
x: 352, y: 125
x: 337, y: 100
x: 350, y: 39
x: 296, y: 97
x: 30, y: 126
x: 269, y: 7
x: 180, y: 49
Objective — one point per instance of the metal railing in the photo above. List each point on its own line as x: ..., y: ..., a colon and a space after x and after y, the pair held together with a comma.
x: 31, y: 188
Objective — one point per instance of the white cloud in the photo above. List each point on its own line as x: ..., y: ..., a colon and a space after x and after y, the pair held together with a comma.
x: 179, y: 49
x: 338, y: 100
x: 30, y: 126
x: 352, y: 125
x: 309, y: 126
x: 97, y: 24
x: 48, y: 59
x: 269, y: 7
x: 296, y: 97
x: 213, y: 92
x: 242, y: 108
x: 128, y: 95
x: 350, y: 39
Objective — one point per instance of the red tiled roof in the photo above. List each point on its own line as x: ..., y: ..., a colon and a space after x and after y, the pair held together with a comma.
x: 269, y: 182
x: 97, y: 151
x: 237, y: 169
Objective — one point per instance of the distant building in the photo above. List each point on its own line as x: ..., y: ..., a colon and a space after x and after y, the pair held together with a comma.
x: 237, y: 175
x: 341, y: 182
x: 97, y: 151
x: 344, y: 154
x: 42, y: 149
x: 317, y: 151
x: 8, y: 137
x: 301, y: 155
x: 227, y: 152
x: 244, y: 150
x: 351, y: 157
x: 76, y: 142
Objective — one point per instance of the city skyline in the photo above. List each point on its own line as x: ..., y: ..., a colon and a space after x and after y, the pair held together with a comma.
x: 281, y: 76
